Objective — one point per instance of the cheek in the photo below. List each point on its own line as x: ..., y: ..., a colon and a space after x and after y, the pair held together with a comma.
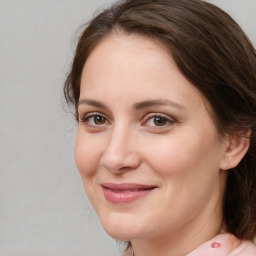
x: 189, y: 174
x: 87, y: 155
x: 171, y: 157
x: 184, y: 156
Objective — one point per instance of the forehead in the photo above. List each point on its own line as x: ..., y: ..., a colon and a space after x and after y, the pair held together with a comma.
x: 126, y: 54
x: 135, y: 67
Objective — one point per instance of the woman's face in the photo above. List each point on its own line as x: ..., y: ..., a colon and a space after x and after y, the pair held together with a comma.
x: 147, y: 149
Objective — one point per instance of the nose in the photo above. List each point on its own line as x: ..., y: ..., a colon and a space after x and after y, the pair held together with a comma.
x: 121, y: 153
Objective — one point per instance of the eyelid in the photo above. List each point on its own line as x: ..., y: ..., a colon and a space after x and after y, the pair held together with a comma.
x: 86, y: 116
x: 169, y: 119
x: 91, y: 114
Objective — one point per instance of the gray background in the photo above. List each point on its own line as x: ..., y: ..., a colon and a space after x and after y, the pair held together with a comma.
x: 43, y: 207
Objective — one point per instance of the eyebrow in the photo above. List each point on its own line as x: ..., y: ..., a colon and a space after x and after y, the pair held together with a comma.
x: 136, y: 106
x: 93, y: 103
x: 157, y: 102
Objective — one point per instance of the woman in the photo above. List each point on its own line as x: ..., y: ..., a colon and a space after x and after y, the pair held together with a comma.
x: 165, y: 99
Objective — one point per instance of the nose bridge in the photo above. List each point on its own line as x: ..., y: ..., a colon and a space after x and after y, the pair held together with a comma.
x: 120, y: 152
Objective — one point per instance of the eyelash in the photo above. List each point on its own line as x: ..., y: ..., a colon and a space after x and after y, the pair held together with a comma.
x: 87, y: 117
x: 152, y: 116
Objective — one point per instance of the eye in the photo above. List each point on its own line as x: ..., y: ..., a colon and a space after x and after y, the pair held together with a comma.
x: 98, y: 120
x: 94, y: 119
x: 158, y: 121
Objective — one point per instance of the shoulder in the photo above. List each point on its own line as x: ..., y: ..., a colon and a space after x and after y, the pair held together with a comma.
x: 225, y: 245
x: 246, y: 248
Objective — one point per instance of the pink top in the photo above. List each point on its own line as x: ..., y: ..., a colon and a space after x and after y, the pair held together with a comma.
x: 225, y: 245
x: 221, y: 245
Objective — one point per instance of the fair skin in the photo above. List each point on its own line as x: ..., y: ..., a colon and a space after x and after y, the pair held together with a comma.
x: 145, y: 127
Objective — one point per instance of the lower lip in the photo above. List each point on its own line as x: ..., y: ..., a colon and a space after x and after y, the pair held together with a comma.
x: 122, y: 197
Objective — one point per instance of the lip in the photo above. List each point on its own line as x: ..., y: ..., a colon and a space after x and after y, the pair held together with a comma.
x: 125, y: 193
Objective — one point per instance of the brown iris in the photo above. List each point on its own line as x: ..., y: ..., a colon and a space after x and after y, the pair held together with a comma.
x: 99, y: 120
x: 160, y: 121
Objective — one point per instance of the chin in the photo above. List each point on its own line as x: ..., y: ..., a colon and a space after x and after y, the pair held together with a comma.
x: 123, y: 228
x: 118, y: 232
x: 121, y: 235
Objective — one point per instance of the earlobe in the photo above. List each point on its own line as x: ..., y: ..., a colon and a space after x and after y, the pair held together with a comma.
x: 235, y: 150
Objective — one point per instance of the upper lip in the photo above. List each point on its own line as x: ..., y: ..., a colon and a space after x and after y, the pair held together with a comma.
x: 127, y: 186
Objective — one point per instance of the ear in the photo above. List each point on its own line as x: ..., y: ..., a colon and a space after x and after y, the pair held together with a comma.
x: 235, y: 149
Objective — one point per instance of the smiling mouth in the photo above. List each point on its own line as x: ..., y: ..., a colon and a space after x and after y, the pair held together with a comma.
x: 125, y: 193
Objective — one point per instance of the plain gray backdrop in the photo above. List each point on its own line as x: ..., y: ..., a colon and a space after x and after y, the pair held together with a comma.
x: 43, y: 208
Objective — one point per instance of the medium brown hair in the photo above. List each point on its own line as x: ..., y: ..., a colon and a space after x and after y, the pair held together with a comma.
x: 214, y: 54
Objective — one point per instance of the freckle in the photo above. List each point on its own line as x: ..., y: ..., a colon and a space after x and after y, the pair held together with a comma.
x: 215, y: 245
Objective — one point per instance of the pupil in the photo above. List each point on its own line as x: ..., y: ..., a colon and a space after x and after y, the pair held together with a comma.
x: 99, y: 120
x: 160, y: 121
